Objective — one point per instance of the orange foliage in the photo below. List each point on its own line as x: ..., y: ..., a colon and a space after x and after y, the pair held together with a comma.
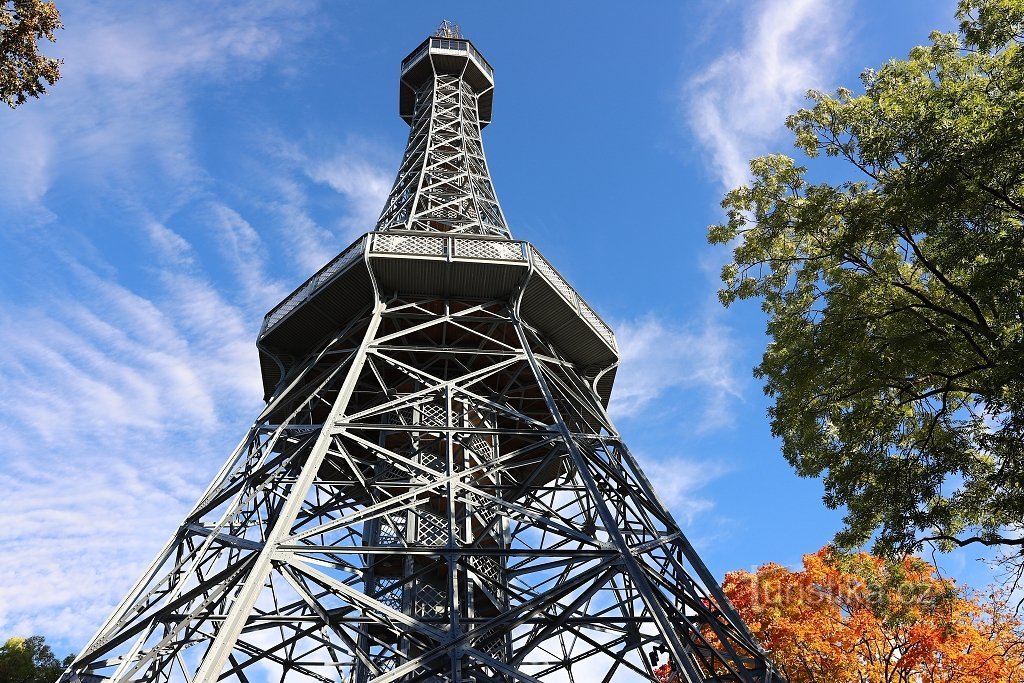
x: 859, y: 619
x: 663, y: 674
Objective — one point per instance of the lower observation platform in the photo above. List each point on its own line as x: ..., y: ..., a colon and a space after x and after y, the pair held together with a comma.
x: 380, y: 264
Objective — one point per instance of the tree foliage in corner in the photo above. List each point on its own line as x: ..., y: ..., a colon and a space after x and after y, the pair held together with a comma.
x: 30, y: 660
x: 23, y: 23
x: 895, y: 300
x: 861, y: 619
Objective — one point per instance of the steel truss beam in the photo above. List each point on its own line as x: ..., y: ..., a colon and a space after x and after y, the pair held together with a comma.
x: 443, y: 183
x: 445, y: 500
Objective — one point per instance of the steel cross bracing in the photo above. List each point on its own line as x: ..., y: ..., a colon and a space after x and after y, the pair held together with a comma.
x: 436, y: 496
x: 443, y: 183
x: 434, y: 491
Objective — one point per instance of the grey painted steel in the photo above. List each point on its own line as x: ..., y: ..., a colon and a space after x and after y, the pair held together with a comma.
x: 436, y: 264
x: 443, y: 184
x: 434, y: 491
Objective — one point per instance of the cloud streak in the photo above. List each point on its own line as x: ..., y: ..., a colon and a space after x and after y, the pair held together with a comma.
x: 115, y: 411
x: 129, y: 366
x: 678, y: 480
x: 364, y: 184
x: 121, y: 119
x: 739, y: 102
x: 322, y: 194
x: 658, y: 358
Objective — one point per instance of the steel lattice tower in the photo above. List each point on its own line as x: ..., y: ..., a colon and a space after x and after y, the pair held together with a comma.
x: 434, y: 491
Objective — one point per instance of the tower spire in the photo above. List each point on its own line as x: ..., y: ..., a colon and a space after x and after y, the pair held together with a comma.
x: 443, y: 184
x: 448, y: 29
x: 434, y: 491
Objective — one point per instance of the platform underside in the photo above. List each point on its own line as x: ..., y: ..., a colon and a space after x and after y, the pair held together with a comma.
x: 467, y: 268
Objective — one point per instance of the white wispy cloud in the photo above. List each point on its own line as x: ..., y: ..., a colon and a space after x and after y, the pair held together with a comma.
x: 130, y: 75
x: 312, y: 245
x: 659, y: 357
x: 736, y: 107
x: 364, y: 183
x: 678, y: 480
x: 739, y: 102
x: 243, y: 250
x: 77, y: 532
x: 116, y: 410
x: 170, y: 247
x: 358, y: 174
x: 129, y: 362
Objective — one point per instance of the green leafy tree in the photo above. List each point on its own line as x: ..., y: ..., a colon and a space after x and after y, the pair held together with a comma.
x: 30, y: 660
x: 895, y: 300
x: 23, y: 23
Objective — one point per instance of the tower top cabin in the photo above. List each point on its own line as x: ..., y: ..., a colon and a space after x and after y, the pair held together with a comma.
x: 446, y: 53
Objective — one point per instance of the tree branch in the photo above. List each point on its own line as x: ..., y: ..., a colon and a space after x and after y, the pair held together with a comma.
x: 998, y: 194
x: 960, y: 293
x: 961, y: 543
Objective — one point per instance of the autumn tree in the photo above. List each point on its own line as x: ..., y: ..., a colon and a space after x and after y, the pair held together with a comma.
x: 895, y: 299
x: 30, y: 660
x: 23, y: 70
x: 862, y: 619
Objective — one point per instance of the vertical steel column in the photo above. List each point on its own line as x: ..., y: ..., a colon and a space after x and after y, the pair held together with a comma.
x: 242, y: 606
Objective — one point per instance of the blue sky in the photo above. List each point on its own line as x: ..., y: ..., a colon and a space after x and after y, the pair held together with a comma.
x: 195, y: 165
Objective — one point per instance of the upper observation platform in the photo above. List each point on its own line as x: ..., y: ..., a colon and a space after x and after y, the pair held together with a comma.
x: 437, y: 265
x: 454, y: 56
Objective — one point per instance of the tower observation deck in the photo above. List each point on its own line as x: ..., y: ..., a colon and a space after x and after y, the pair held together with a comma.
x: 434, y: 490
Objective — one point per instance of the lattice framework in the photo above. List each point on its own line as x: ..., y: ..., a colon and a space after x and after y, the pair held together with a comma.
x: 434, y: 491
x: 443, y: 183
x: 438, y: 495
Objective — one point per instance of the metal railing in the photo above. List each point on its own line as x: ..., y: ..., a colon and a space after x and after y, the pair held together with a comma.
x: 573, y: 298
x: 451, y: 44
x: 481, y: 61
x: 427, y: 244
x: 448, y: 246
x: 415, y: 56
x: 338, y: 264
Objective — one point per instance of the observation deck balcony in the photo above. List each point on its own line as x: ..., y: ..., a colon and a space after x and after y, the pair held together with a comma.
x: 455, y: 56
x: 424, y: 264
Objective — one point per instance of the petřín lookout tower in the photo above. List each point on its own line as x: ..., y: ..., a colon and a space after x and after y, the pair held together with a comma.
x: 434, y: 491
